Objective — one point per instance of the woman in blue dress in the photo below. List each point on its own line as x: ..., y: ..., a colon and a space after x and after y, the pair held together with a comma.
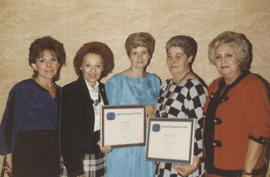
x: 29, y: 128
x: 133, y: 86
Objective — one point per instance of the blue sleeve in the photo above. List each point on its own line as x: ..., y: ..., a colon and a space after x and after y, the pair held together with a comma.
x: 112, y: 90
x: 158, y: 86
x: 7, y: 138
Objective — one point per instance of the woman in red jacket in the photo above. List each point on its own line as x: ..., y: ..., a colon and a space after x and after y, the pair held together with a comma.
x: 237, y: 111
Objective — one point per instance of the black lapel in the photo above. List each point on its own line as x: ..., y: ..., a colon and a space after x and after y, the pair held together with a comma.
x: 83, y: 90
x: 103, y: 94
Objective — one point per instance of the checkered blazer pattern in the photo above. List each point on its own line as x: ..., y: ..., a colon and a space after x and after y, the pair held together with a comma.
x: 185, y: 100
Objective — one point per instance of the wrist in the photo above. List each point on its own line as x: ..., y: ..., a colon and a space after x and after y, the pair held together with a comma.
x: 247, y: 172
x: 196, y: 161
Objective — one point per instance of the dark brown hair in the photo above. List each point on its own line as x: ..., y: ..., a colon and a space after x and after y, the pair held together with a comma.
x: 47, y: 43
x: 98, y: 48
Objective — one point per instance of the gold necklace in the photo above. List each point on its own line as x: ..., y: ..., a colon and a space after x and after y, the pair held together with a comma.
x: 164, y: 102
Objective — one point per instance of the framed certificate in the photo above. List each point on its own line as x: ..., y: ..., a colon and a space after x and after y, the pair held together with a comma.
x: 170, y: 140
x: 123, y: 125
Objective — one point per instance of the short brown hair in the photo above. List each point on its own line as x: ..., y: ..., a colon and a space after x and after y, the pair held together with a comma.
x: 98, y: 48
x: 51, y: 44
x: 187, y: 43
x: 238, y: 41
x: 142, y: 39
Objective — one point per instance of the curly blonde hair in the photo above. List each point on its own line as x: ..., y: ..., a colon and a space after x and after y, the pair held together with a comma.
x: 238, y: 41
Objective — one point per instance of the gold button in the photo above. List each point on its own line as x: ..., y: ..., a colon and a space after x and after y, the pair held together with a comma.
x: 214, y: 144
x: 215, y: 121
x: 204, y: 116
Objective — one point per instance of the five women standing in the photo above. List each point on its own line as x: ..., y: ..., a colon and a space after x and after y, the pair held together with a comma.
x: 237, y: 110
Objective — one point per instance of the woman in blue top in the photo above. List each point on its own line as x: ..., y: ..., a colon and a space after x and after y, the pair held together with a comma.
x: 133, y: 86
x: 29, y: 128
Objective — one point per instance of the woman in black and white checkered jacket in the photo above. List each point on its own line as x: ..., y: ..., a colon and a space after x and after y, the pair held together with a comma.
x: 182, y: 96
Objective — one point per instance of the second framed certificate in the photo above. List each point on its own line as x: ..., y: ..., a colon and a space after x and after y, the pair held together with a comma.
x: 170, y: 140
x: 123, y: 125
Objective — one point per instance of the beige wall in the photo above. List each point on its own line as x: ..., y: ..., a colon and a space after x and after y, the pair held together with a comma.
x: 75, y: 22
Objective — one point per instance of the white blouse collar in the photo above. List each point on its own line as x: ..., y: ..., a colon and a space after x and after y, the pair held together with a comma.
x: 95, y: 89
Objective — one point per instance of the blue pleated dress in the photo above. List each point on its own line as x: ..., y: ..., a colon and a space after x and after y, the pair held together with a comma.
x: 124, y: 90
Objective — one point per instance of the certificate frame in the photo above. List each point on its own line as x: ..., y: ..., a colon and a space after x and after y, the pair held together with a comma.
x: 164, y: 142
x: 123, y: 125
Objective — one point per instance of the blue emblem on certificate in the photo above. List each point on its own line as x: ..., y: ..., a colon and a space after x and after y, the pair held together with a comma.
x: 110, y: 116
x: 156, y: 128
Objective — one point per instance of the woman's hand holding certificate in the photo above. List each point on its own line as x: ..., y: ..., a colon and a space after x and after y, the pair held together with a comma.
x: 185, y: 169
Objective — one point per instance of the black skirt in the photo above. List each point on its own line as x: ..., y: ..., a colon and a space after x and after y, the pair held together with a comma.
x: 36, y: 154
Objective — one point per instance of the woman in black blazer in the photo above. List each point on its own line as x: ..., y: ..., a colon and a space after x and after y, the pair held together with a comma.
x: 80, y: 112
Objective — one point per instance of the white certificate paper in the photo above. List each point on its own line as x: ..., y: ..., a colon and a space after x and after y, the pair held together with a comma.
x: 123, y: 125
x: 170, y: 140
